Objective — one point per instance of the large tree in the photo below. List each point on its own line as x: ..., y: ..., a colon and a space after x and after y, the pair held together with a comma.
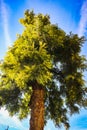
x: 42, y: 73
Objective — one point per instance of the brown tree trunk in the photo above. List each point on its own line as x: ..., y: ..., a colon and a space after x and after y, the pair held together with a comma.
x: 37, y: 108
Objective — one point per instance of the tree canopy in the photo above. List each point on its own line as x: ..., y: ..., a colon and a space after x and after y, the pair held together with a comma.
x: 45, y: 54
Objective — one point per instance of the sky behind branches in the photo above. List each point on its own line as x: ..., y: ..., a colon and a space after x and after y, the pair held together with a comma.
x: 70, y: 15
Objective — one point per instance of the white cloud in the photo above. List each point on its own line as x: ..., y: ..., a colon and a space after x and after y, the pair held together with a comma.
x: 12, y: 122
x: 83, y: 20
x: 5, y: 17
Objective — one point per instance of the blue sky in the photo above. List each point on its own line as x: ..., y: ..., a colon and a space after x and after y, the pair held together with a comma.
x: 70, y: 15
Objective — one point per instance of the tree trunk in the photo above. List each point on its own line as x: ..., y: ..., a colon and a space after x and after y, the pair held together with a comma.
x: 37, y: 108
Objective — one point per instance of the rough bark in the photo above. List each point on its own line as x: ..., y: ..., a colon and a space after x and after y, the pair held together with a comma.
x: 37, y: 108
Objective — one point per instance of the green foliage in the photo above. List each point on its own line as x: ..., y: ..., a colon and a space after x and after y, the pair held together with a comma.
x: 44, y: 53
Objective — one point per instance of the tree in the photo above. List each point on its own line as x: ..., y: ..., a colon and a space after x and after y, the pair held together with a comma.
x: 42, y: 73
